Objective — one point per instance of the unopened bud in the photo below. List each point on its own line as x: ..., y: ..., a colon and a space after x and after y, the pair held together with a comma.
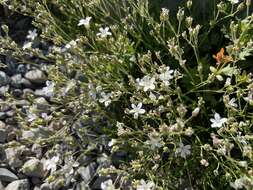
x: 195, y: 112
x: 189, y: 4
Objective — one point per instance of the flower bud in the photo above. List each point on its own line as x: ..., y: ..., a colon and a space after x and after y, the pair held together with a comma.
x: 195, y: 112
x: 180, y: 14
x: 189, y: 4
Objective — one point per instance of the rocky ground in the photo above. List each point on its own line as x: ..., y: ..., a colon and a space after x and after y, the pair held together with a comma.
x: 24, y: 164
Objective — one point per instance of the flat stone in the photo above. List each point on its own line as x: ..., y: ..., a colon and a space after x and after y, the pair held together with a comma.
x: 33, y: 168
x: 36, y: 76
x: 12, y: 156
x: 4, y: 79
x: 18, y: 185
x: 88, y: 172
x: 2, y: 115
x: 7, y: 175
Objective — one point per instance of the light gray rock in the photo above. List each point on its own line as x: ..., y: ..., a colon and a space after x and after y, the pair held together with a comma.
x: 16, y: 80
x: 33, y: 168
x: 18, y: 185
x: 7, y: 175
x: 12, y: 156
x: 35, y: 133
x: 4, y: 90
x: 2, y: 115
x: 45, y: 186
x: 3, y: 132
x: 1, y: 186
x: 88, y: 172
x: 36, y: 76
x: 3, y: 135
x: 42, y: 104
x: 4, y: 79
x: 83, y: 186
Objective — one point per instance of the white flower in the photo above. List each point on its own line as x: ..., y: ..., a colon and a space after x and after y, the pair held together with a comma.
x: 27, y: 45
x: 104, y: 32
x: 48, y: 90
x: 154, y: 141
x: 204, y: 162
x: 234, y: 1
x: 31, y: 116
x: 85, y: 22
x: 112, y: 142
x: 145, y: 186
x: 147, y: 83
x: 217, y: 121
x: 108, y: 185
x: 32, y: 34
x: 184, y: 151
x: 137, y: 110
x: 105, y: 98
x: 166, y: 76
x: 232, y: 103
x: 238, y: 184
x: 228, y: 82
x: 51, y: 164
x: 71, y: 44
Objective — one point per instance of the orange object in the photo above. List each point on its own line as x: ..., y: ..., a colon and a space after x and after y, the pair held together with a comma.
x: 221, y: 58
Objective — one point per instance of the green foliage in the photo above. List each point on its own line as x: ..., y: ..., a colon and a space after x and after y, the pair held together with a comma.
x: 177, y: 94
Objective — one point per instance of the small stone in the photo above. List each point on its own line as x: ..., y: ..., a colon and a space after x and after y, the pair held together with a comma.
x: 87, y: 172
x: 42, y: 104
x: 4, y: 90
x: 3, y: 132
x: 12, y: 156
x: 2, y: 115
x: 21, y: 103
x: 18, y: 185
x: 26, y: 83
x: 3, y: 135
x: 45, y: 186
x: 33, y: 168
x: 83, y: 186
x: 16, y: 81
x: 36, y: 76
x: 4, y: 79
x: 7, y: 175
x: 17, y: 92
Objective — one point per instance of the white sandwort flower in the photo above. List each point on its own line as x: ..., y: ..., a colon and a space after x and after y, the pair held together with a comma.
x: 85, y: 22
x: 137, y: 110
x: 27, y: 45
x: 217, y: 121
x: 32, y: 34
x: 112, y: 142
x: 105, y: 99
x: 104, y: 32
x: 147, y: 83
x: 108, y: 185
x: 166, y: 76
x: 149, y: 185
x: 51, y: 164
x: 183, y: 150
x: 232, y: 103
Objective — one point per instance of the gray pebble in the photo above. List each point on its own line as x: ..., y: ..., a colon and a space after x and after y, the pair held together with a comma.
x: 7, y: 175
x: 36, y: 76
x: 18, y: 185
x: 4, y: 79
